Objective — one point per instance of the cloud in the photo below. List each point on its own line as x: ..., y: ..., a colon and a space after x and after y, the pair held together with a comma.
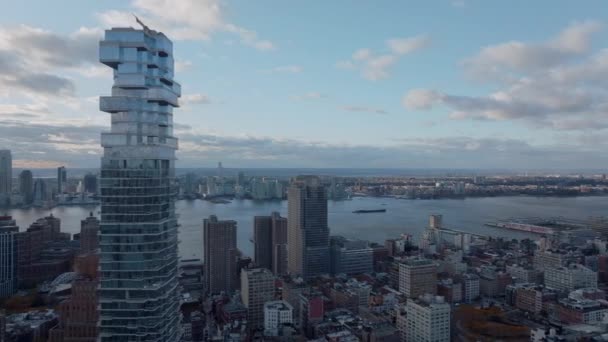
x: 41, y: 145
x: 364, y: 109
x: 185, y: 20
x: 557, y: 84
x: 191, y: 99
x: 313, y: 95
x: 182, y: 65
x: 403, y: 46
x: 285, y: 69
x: 517, y: 56
x: 373, y: 66
x: 33, y: 61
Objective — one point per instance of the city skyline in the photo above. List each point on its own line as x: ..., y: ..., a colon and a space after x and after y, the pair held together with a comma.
x: 417, y: 87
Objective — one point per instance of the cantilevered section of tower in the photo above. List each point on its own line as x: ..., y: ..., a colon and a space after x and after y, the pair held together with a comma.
x: 138, y: 295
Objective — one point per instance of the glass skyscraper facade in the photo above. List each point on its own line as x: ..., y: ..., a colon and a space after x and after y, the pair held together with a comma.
x: 308, y: 232
x: 138, y: 295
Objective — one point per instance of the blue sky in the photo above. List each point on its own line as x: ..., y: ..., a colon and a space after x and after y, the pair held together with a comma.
x: 449, y: 84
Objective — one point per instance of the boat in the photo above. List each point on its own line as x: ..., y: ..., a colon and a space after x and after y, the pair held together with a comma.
x: 368, y: 211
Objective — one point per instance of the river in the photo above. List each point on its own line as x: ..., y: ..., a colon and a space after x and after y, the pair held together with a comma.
x: 402, y: 216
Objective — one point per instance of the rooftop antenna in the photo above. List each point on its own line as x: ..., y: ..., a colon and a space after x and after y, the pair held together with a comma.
x: 146, y: 28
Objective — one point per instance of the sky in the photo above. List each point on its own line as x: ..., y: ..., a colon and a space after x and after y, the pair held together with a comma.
x: 371, y: 84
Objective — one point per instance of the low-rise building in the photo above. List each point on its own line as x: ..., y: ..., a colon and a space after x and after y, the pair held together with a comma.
x: 570, y: 278
x: 276, y: 315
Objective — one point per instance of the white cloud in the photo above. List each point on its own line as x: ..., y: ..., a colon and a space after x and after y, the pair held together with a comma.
x: 185, y: 20
x: 420, y: 99
x: 182, y: 65
x: 517, y: 56
x: 403, y: 46
x: 191, y: 99
x: 364, y: 109
x: 285, y: 69
x: 33, y: 61
x: 556, y: 84
x: 373, y: 66
x: 313, y: 95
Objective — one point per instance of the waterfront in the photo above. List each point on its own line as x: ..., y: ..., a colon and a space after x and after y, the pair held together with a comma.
x: 402, y: 216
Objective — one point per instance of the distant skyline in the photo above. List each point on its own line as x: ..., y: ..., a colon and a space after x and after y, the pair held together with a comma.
x: 448, y: 84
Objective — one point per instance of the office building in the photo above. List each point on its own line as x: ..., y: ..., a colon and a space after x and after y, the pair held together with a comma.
x: 62, y: 178
x: 40, y: 192
x: 257, y: 288
x: 308, y: 232
x: 90, y: 183
x: 89, y: 228
x: 138, y: 291
x: 270, y: 242
x: 277, y: 314
x: 78, y: 315
x: 417, y: 277
x: 262, y: 241
x: 220, y: 255
x: 8, y: 256
x: 44, y: 252
x: 523, y: 274
x: 6, y: 172
x: 436, y: 221
x: 26, y: 186
x: 428, y: 319
x: 470, y: 287
x: 573, y: 277
x: 350, y: 256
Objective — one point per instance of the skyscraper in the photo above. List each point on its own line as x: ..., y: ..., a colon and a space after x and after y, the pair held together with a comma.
x: 90, y: 183
x: 89, y: 229
x: 262, y: 241
x: 270, y: 242
x: 26, y: 186
x: 308, y: 233
x: 40, y: 193
x: 6, y: 172
x: 8, y: 256
x: 62, y: 177
x: 138, y: 294
x: 220, y: 255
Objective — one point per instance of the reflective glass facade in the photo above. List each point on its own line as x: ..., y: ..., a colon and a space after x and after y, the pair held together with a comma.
x: 138, y: 295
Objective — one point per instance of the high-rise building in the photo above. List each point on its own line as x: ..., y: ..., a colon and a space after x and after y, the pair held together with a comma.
x: 40, y: 192
x: 277, y: 314
x: 90, y: 183
x: 279, y: 244
x: 351, y: 256
x: 308, y: 233
x: 257, y: 288
x: 6, y: 172
x: 262, y: 241
x: 62, y: 177
x: 220, y: 255
x: 89, y: 228
x: 8, y: 256
x: 417, y: 277
x: 428, y: 319
x: 78, y: 315
x: 138, y: 291
x: 270, y: 242
x: 26, y: 186
x: 436, y: 221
